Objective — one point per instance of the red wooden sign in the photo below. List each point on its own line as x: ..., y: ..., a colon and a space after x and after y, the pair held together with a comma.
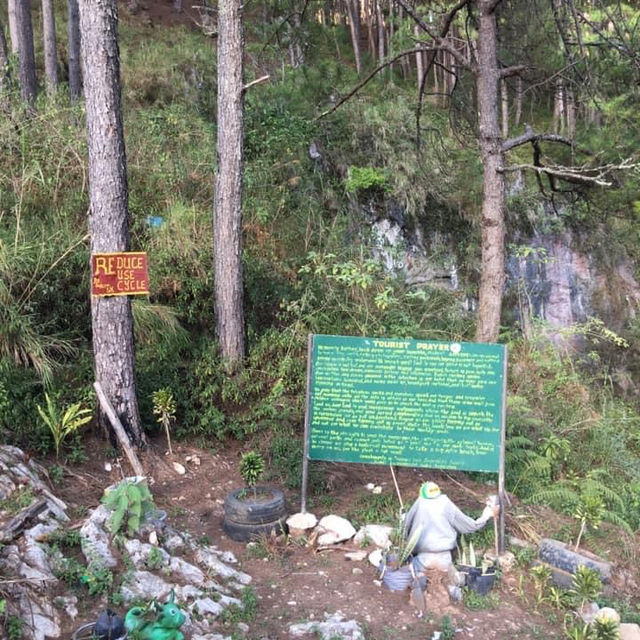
x: 119, y: 274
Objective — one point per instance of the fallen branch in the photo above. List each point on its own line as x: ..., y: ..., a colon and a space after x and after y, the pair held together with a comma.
x: 579, y: 175
x: 119, y: 430
x: 11, y: 530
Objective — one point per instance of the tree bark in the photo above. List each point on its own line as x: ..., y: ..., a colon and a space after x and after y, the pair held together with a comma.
x: 26, y: 57
x: 354, y: 29
x: 419, y: 65
x: 504, y: 100
x: 50, y: 46
x: 73, y: 31
x: 227, y: 211
x: 112, y: 319
x: 492, y: 270
x: 518, y: 114
x: 4, y: 64
x: 381, y: 38
x: 13, y: 27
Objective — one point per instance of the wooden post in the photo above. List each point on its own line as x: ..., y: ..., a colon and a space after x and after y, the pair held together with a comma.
x: 501, y: 491
x: 119, y: 430
x: 305, y: 455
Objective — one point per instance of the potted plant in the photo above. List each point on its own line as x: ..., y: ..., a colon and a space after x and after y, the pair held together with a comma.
x: 480, y: 573
x: 253, y: 510
x: 396, y: 572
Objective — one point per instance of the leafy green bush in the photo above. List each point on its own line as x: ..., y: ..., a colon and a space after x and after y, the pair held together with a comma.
x: 130, y: 499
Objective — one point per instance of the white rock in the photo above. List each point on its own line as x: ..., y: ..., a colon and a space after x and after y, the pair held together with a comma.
x: 173, y: 543
x: 243, y: 627
x: 375, y: 557
x: 376, y: 490
x: 210, y: 560
x: 629, y: 631
x: 607, y: 613
x: 376, y: 533
x: 206, y: 606
x: 355, y: 556
x: 302, y: 521
x: 144, y: 585
x: 357, y: 571
x: 153, y: 538
x: 94, y: 540
x: 179, y: 468
x: 41, y: 619
x: 370, y: 486
x: 332, y: 627
x: 107, y: 466
x: 334, y: 529
x: 186, y: 571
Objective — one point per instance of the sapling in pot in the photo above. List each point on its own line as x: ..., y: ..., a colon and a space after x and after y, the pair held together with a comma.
x: 251, y: 469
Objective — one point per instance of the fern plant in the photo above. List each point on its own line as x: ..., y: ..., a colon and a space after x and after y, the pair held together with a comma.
x: 130, y: 500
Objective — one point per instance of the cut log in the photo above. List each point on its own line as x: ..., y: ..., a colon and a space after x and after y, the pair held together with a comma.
x: 14, y: 527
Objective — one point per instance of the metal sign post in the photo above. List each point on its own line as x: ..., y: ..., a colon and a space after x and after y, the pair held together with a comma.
x: 305, y: 455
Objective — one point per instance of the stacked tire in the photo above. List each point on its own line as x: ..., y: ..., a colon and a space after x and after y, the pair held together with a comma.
x: 247, y: 518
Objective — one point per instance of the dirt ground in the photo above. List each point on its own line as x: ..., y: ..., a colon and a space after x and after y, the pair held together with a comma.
x: 295, y: 583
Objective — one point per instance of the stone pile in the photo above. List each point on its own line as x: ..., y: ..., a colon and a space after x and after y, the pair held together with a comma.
x: 148, y: 567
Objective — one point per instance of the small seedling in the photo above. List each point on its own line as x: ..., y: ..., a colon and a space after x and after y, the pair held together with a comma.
x: 251, y: 469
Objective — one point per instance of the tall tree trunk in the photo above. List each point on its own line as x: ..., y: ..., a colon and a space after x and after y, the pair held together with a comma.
x: 419, y: 60
x: 558, y: 107
x: 227, y: 211
x: 380, y: 23
x: 73, y: 33
x: 492, y: 274
x: 518, y: 114
x: 13, y: 27
x: 571, y: 113
x: 26, y: 57
x: 4, y: 65
x: 50, y: 46
x: 112, y: 320
x: 354, y: 30
x: 405, y: 62
x: 390, y: 38
x: 504, y: 100
x: 369, y: 21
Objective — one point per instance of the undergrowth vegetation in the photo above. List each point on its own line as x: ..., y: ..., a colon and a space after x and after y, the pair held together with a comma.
x: 313, y: 189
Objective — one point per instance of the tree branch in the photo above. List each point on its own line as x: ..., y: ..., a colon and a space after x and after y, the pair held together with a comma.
x: 513, y: 70
x: 580, y: 175
x: 361, y: 84
x: 256, y: 81
x: 530, y: 136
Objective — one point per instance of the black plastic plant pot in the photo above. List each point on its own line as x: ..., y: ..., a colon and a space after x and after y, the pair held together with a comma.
x: 480, y: 582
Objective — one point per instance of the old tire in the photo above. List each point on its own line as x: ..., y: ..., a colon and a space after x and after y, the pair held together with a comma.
x: 560, y: 555
x: 242, y: 532
x: 241, y: 507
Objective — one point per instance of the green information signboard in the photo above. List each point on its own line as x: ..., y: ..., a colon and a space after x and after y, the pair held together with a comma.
x: 412, y: 403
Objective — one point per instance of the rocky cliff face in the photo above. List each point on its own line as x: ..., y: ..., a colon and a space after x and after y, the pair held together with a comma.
x: 548, y: 276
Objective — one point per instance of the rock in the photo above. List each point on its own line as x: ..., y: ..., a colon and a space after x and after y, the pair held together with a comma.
x: 40, y: 618
x: 333, y: 628
x: 144, y: 585
x: 370, y: 486
x: 334, y: 529
x: 69, y: 604
x: 376, y: 490
x: 210, y: 636
x: 376, y: 533
x: 355, y: 556
x: 506, y: 560
x: 153, y: 538
x: 588, y: 611
x: 94, y: 540
x: 206, y: 606
x: 357, y: 571
x: 243, y: 627
x: 179, y: 469
x: 607, y: 613
x: 629, y: 631
x: 187, y: 592
x: 174, y: 543
x: 139, y: 554
x: 210, y: 560
x: 186, y: 571
x: 375, y: 558
x: 301, y: 522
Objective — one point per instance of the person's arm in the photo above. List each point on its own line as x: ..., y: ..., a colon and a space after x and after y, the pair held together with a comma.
x: 409, y: 518
x: 463, y: 523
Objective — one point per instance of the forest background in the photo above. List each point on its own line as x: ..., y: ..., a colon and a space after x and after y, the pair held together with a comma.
x: 315, y: 190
